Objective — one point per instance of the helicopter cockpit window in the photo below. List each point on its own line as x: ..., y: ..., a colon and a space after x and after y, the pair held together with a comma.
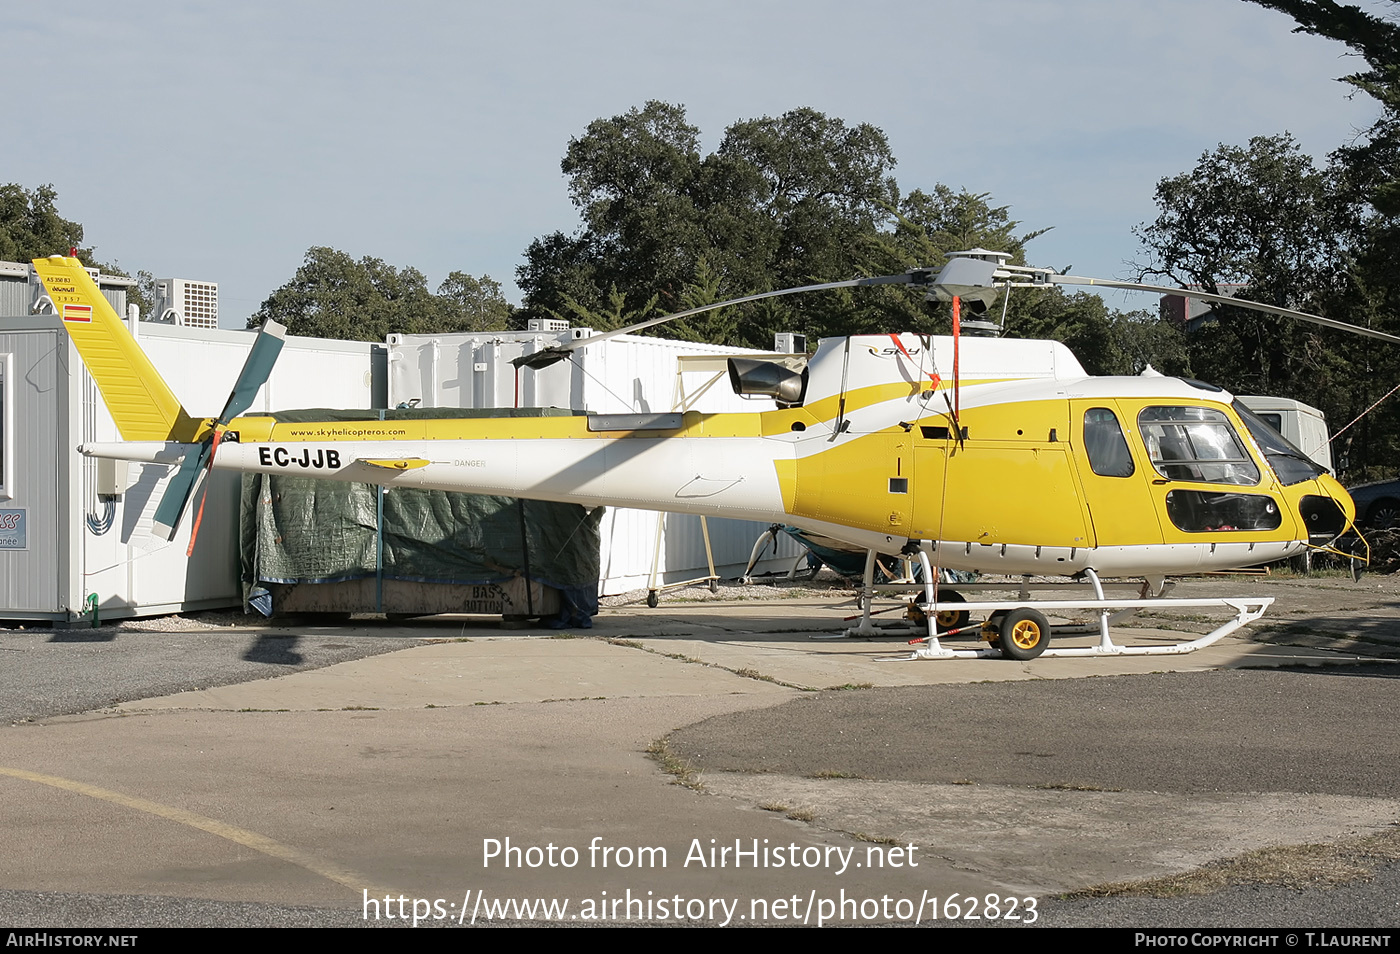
x: 1291, y: 464
x: 1105, y: 444
x: 1195, y: 443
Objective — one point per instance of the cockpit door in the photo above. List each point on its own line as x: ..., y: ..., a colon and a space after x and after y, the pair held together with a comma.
x: 1206, y: 484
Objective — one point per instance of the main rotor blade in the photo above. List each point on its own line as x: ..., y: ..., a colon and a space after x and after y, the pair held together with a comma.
x: 256, y: 370
x: 1226, y: 300
x: 547, y: 356
x: 972, y: 274
x: 177, y: 493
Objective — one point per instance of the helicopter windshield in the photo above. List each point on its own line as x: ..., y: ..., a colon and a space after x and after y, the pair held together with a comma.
x: 1195, y: 443
x: 1290, y: 463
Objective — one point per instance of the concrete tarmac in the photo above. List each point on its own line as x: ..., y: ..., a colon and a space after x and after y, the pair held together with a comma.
x: 402, y: 775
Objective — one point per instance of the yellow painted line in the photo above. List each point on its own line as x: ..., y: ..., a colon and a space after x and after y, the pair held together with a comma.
x: 241, y: 836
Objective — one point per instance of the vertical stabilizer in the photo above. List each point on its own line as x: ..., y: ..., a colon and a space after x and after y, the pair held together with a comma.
x: 139, y: 400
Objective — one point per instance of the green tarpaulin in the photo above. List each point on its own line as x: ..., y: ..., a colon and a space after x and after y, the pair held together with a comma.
x: 299, y: 530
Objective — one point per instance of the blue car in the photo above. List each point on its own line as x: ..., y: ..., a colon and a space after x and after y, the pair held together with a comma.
x: 1377, y: 503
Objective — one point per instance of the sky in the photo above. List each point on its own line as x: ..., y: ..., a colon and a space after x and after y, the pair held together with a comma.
x: 220, y: 141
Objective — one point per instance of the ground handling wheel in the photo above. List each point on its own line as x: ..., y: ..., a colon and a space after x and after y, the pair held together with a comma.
x: 947, y: 619
x: 950, y: 618
x: 1025, y: 634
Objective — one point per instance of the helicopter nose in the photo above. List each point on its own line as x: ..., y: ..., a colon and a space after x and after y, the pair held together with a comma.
x: 1326, y: 515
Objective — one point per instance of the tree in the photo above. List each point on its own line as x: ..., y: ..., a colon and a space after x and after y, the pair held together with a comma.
x: 334, y: 296
x: 633, y: 179
x: 1374, y: 162
x: 30, y: 226
x: 1368, y: 171
x: 784, y: 201
x: 933, y: 224
x: 799, y: 199
x: 144, y: 294
x: 473, y: 304
x: 1265, y: 217
x: 1141, y: 339
x: 1261, y: 215
x: 812, y: 188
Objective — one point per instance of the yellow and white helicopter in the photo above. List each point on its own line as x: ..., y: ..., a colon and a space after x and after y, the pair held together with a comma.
x: 1019, y: 463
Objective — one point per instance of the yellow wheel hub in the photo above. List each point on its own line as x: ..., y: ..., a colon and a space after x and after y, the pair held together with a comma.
x: 1025, y: 634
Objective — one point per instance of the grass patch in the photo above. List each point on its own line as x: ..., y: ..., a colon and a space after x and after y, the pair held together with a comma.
x: 754, y: 674
x: 773, y: 807
x: 1283, y: 571
x: 851, y: 686
x: 875, y: 839
x: 682, y: 772
x: 627, y: 643
x: 359, y: 708
x: 801, y: 814
x: 834, y: 773
x: 1288, y: 866
x: 562, y: 636
x: 486, y: 703
x: 1075, y: 787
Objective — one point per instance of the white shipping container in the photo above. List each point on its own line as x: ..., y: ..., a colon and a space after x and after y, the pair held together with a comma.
x: 80, y: 544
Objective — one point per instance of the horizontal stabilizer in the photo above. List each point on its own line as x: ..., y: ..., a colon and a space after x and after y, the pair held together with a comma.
x: 147, y: 452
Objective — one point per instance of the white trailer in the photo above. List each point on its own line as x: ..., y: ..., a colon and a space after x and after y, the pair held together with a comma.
x: 1303, y: 425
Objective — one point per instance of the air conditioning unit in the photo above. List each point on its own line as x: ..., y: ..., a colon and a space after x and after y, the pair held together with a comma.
x: 186, y: 302
x: 790, y: 342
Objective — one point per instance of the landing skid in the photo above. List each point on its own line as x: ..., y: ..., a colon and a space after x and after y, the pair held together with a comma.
x: 1019, y: 629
